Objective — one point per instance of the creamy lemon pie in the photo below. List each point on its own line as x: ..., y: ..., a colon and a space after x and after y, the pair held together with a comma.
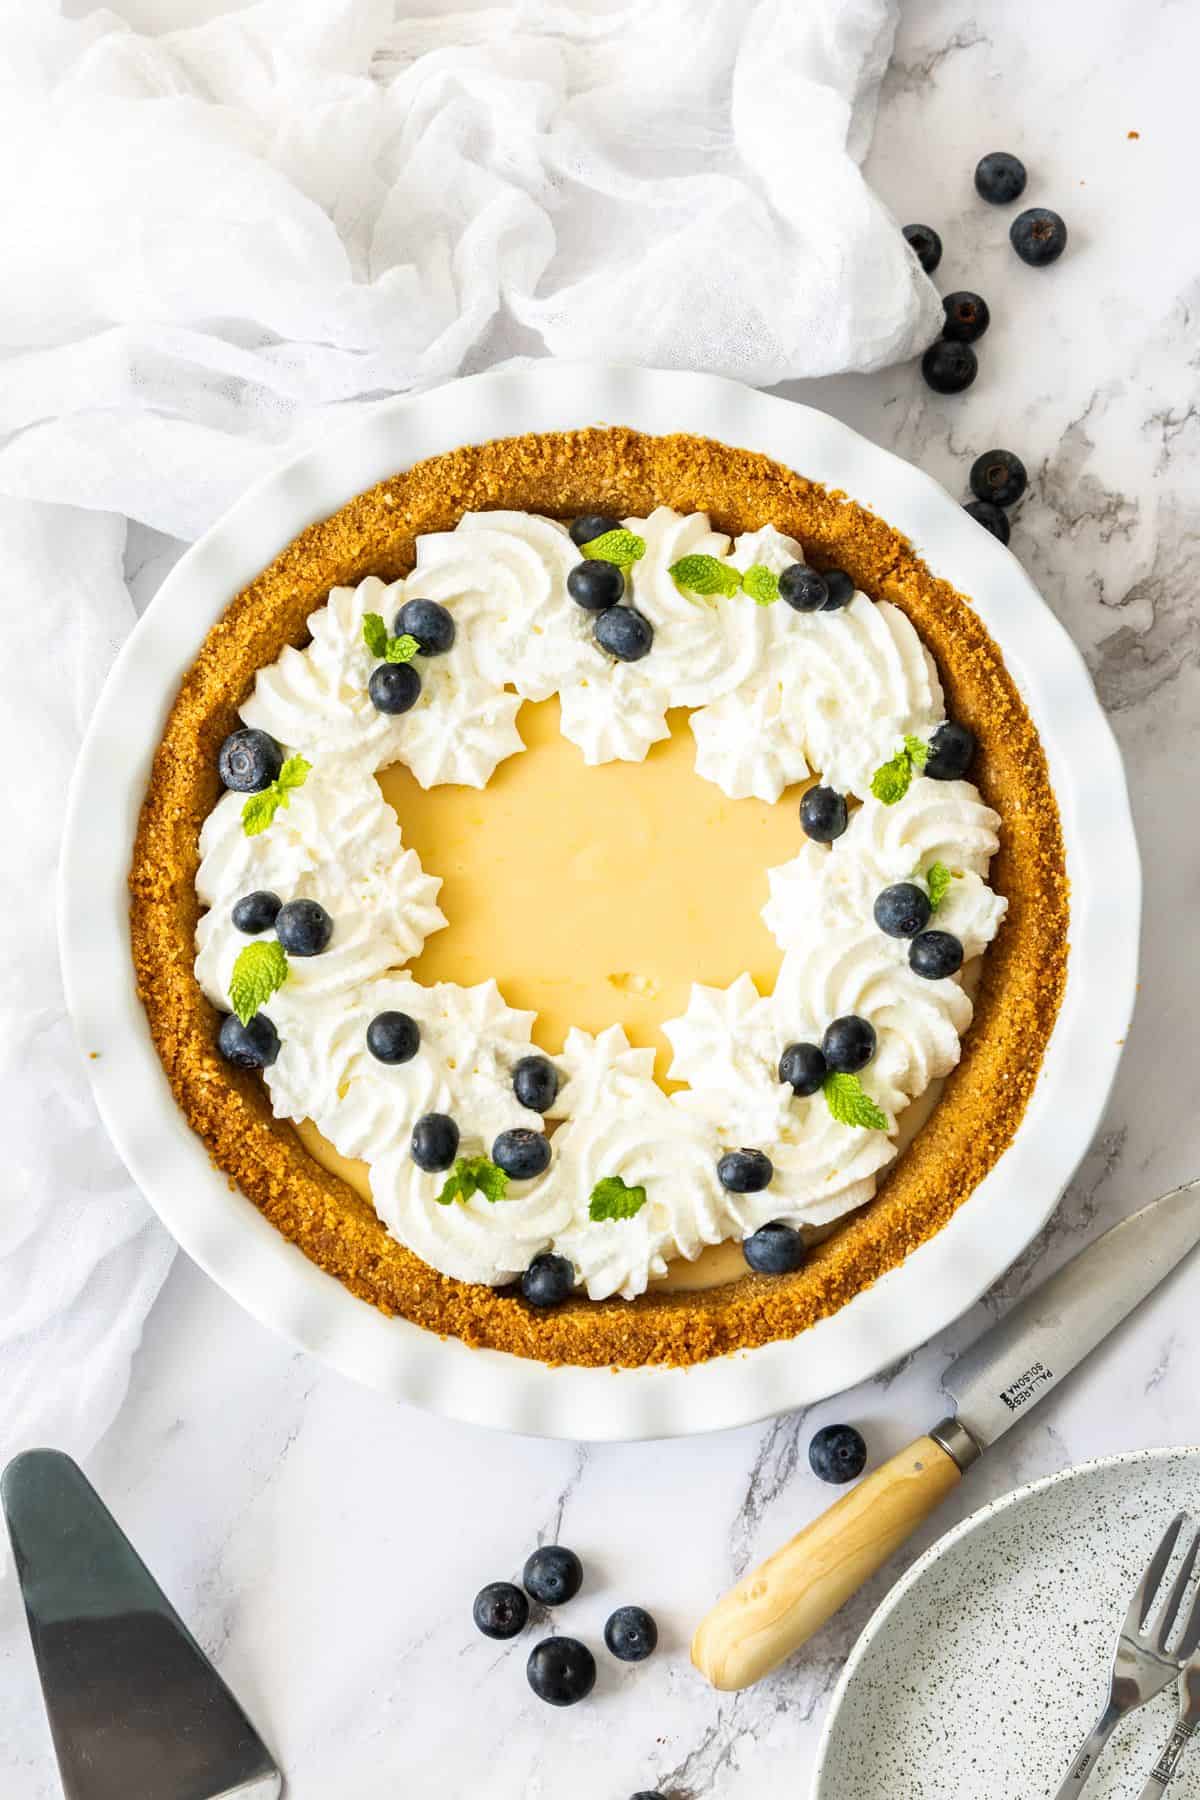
x: 601, y: 897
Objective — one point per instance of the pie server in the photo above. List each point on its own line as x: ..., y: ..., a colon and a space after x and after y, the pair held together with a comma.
x: 135, y: 1707
x: 1008, y: 1370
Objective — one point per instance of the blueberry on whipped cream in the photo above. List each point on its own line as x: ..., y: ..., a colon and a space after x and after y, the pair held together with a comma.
x: 902, y: 909
x: 745, y: 1171
x: 393, y: 1037
x: 823, y: 814
x: 848, y: 1044
x: 303, y: 927
x: 592, y: 525
x: 548, y: 1280
x: 256, y: 912
x: 434, y: 1142
x: 430, y: 623
x: 623, y: 633
x: 596, y: 585
x: 254, y: 1045
x: 935, y: 955
x: 804, y: 1068
x: 249, y: 761
x: 394, y: 688
x: 535, y: 1082
x: 521, y: 1153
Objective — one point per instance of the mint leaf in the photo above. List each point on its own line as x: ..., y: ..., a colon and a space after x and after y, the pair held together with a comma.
x: 620, y: 547
x: 612, y: 1199
x: 375, y: 634
x: 401, y: 649
x: 761, y: 584
x: 294, y: 774
x: 891, y: 781
x: 938, y: 881
x: 259, y: 971
x: 850, y: 1104
x: 704, y: 575
x: 473, y: 1175
x: 261, y: 808
x: 917, y: 750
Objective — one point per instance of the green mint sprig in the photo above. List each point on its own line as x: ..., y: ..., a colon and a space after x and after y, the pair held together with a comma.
x: 261, y: 808
x: 850, y: 1104
x: 705, y: 576
x: 613, y: 1199
x: 937, y: 879
x: 621, y: 547
x: 473, y: 1175
x: 893, y: 779
x: 260, y: 971
x: 761, y: 583
x: 400, y: 649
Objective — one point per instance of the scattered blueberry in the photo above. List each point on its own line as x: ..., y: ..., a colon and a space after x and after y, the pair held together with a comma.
x: 935, y: 954
x: 948, y: 367
x: 303, y: 927
x: 993, y: 518
x: 392, y: 1037
x: 925, y: 241
x: 249, y: 761
x: 823, y: 814
x: 394, y: 687
x: 255, y: 912
x: 254, y: 1045
x: 967, y: 316
x: 745, y: 1171
x: 624, y: 633
x: 631, y: 1634
x: 561, y: 1671
x: 595, y: 585
x: 535, y: 1082
x: 553, y: 1574
x: 803, y: 588
x: 774, y: 1249
x: 430, y: 623
x: 592, y: 525
x: 839, y: 590
x: 902, y: 910
x: 848, y: 1044
x: 1038, y: 236
x: 999, y: 178
x: 548, y: 1280
x: 500, y: 1610
x: 837, y: 1453
x: 950, y: 751
x: 998, y: 476
x: 434, y: 1142
x: 521, y: 1153
x: 803, y: 1067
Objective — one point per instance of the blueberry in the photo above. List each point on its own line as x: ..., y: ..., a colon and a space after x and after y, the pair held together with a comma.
x: 521, y: 1153
x: 803, y: 588
x: 948, y: 367
x: 950, y: 751
x: 254, y: 1045
x: 839, y: 590
x: 500, y: 1610
x: 535, y: 1082
x: 595, y: 585
x: 392, y: 1037
x: 925, y: 241
x: 774, y: 1249
x: 803, y: 1068
x: 592, y: 525
x: 394, y: 687
x: 992, y: 518
x: 553, y: 1575
x: 432, y: 626
x: 967, y: 316
x: 837, y: 1453
x: 745, y: 1171
x: 624, y: 633
x: 631, y: 1634
x: 1038, y: 236
x: 902, y: 910
x: 848, y: 1044
x: 303, y: 927
x: 998, y: 476
x: 255, y: 912
x: 823, y: 814
x: 561, y: 1671
x: 434, y: 1142
x: 249, y: 761
x: 548, y: 1280
x: 999, y: 178
x: 935, y: 954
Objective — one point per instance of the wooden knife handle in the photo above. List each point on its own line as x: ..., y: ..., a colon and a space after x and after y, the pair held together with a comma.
x: 790, y: 1596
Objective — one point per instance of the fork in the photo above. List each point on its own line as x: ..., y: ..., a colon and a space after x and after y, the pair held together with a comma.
x: 1143, y: 1665
x: 1185, y: 1729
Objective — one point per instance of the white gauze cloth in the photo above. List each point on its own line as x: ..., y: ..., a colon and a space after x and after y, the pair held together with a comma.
x: 220, y: 240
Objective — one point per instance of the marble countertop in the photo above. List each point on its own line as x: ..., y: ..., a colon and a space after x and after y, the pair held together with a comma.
x: 324, y: 1544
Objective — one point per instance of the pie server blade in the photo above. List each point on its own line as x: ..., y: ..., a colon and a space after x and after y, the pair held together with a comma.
x: 135, y: 1707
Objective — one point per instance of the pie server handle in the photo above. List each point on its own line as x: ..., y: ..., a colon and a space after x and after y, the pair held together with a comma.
x: 135, y: 1707
x: 785, y: 1600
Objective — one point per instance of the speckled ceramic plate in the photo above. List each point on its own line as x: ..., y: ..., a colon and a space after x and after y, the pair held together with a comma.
x: 985, y: 1666
x: 270, y: 1277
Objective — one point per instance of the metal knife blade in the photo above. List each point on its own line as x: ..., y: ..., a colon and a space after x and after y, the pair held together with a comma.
x: 1024, y: 1357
